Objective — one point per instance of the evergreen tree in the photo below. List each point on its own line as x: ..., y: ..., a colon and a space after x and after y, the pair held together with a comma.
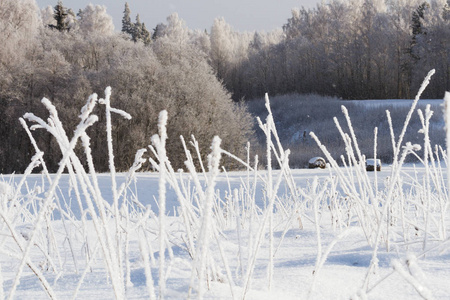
x: 136, y: 34
x: 127, y: 26
x: 158, y: 31
x: 61, y: 17
x: 146, y: 39
x: 417, y: 19
x: 137, y: 31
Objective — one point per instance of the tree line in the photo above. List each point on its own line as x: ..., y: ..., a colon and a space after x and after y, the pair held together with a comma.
x: 352, y: 49
x: 66, y: 57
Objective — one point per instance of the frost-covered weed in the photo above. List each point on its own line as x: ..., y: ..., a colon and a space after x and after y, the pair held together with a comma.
x: 392, y: 215
x: 395, y: 212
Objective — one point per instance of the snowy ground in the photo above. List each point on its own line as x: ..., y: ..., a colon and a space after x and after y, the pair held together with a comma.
x: 397, y: 102
x: 341, y: 276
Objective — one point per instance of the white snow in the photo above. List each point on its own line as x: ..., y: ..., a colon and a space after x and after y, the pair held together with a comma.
x: 314, y: 159
x: 341, y: 275
x: 6, y: 191
x: 395, y: 102
x: 372, y: 162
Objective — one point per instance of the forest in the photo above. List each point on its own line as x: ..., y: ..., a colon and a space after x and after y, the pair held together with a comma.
x: 355, y: 49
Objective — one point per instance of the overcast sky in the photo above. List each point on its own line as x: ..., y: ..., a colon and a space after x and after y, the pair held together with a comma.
x: 242, y: 15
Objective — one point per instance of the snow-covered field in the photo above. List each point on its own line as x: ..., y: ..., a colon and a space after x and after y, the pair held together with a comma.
x: 345, y: 251
x: 336, y: 233
x: 397, y: 102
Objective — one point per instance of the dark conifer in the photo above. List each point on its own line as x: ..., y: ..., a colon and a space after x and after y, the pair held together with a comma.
x: 127, y: 26
x: 60, y: 15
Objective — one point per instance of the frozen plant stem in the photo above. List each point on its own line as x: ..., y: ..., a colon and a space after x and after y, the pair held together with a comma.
x: 425, y: 130
x: 160, y: 144
x: 148, y: 272
x: 396, y: 172
x: 268, y: 130
x: 48, y: 200
x: 112, y: 169
x: 425, y: 83
x: 447, y: 140
x: 323, y: 257
x: 423, y: 291
x: 271, y: 190
x: 205, y: 231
